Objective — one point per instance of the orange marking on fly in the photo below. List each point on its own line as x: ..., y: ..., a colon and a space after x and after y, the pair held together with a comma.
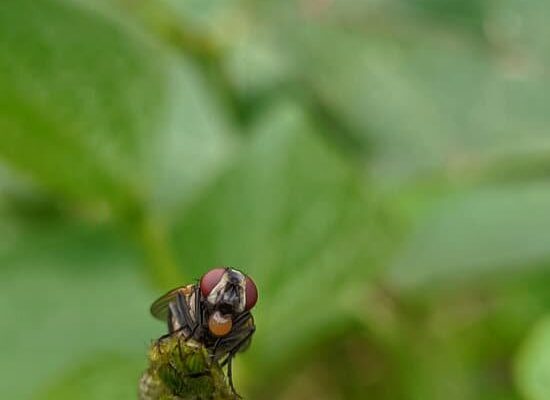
x: 219, y: 325
x: 187, y: 290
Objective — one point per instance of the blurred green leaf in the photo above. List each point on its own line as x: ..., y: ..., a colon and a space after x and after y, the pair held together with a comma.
x: 74, y: 107
x: 256, y: 65
x: 124, y: 105
x: 67, y: 293
x: 105, y: 113
x: 195, y: 146
x: 432, y: 104
x: 519, y: 28
x: 460, y: 13
x: 423, y: 99
x: 207, y: 17
x: 471, y: 234
x: 103, y: 377
x: 533, y: 363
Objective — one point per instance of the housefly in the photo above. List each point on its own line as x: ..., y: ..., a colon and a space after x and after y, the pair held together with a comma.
x: 214, y: 312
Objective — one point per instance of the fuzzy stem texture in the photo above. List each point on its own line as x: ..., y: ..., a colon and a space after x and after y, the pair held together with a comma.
x: 182, y: 370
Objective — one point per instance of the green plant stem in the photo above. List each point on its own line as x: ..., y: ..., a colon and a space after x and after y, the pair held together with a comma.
x: 181, y: 369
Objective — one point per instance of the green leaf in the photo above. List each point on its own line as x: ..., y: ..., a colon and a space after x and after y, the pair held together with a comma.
x: 70, y: 91
x: 99, y: 378
x: 470, y: 235
x: 429, y: 107
x: 521, y: 28
x: 68, y: 293
x: 533, y: 363
x: 194, y: 143
x: 422, y: 100
x: 95, y: 109
x: 207, y: 17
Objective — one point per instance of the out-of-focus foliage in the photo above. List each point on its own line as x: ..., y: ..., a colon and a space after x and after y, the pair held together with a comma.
x: 380, y: 167
x: 533, y: 367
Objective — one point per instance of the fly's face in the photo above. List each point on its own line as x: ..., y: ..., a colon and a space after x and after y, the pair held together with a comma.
x: 226, y: 293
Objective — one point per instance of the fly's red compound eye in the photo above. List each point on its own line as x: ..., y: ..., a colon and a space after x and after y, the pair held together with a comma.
x: 210, y: 280
x: 251, y: 293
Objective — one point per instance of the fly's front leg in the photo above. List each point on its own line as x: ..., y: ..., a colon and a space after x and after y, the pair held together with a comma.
x: 171, y: 329
x: 232, y: 352
x: 235, y: 349
x: 179, y: 318
x: 230, y: 378
x: 239, y: 322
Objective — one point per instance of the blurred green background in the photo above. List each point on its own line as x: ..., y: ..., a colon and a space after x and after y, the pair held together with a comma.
x: 380, y: 167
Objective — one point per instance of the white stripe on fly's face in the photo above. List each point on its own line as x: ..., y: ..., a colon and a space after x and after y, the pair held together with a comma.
x: 218, y: 290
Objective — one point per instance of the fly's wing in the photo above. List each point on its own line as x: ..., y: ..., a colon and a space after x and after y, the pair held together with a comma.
x: 160, y: 308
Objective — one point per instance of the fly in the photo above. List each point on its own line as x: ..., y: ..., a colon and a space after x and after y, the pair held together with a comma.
x: 215, y: 312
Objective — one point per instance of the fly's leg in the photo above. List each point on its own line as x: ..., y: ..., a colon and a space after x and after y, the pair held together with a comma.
x: 180, y: 311
x: 213, y: 354
x: 230, y: 377
x: 229, y: 360
x: 239, y: 322
x: 164, y: 337
x: 241, y: 319
x: 235, y: 349
x: 170, y: 334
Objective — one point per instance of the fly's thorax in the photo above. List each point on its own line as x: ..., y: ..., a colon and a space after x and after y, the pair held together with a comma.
x: 191, y: 299
x: 188, y: 293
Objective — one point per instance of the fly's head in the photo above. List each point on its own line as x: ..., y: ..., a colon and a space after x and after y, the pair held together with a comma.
x: 226, y: 292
